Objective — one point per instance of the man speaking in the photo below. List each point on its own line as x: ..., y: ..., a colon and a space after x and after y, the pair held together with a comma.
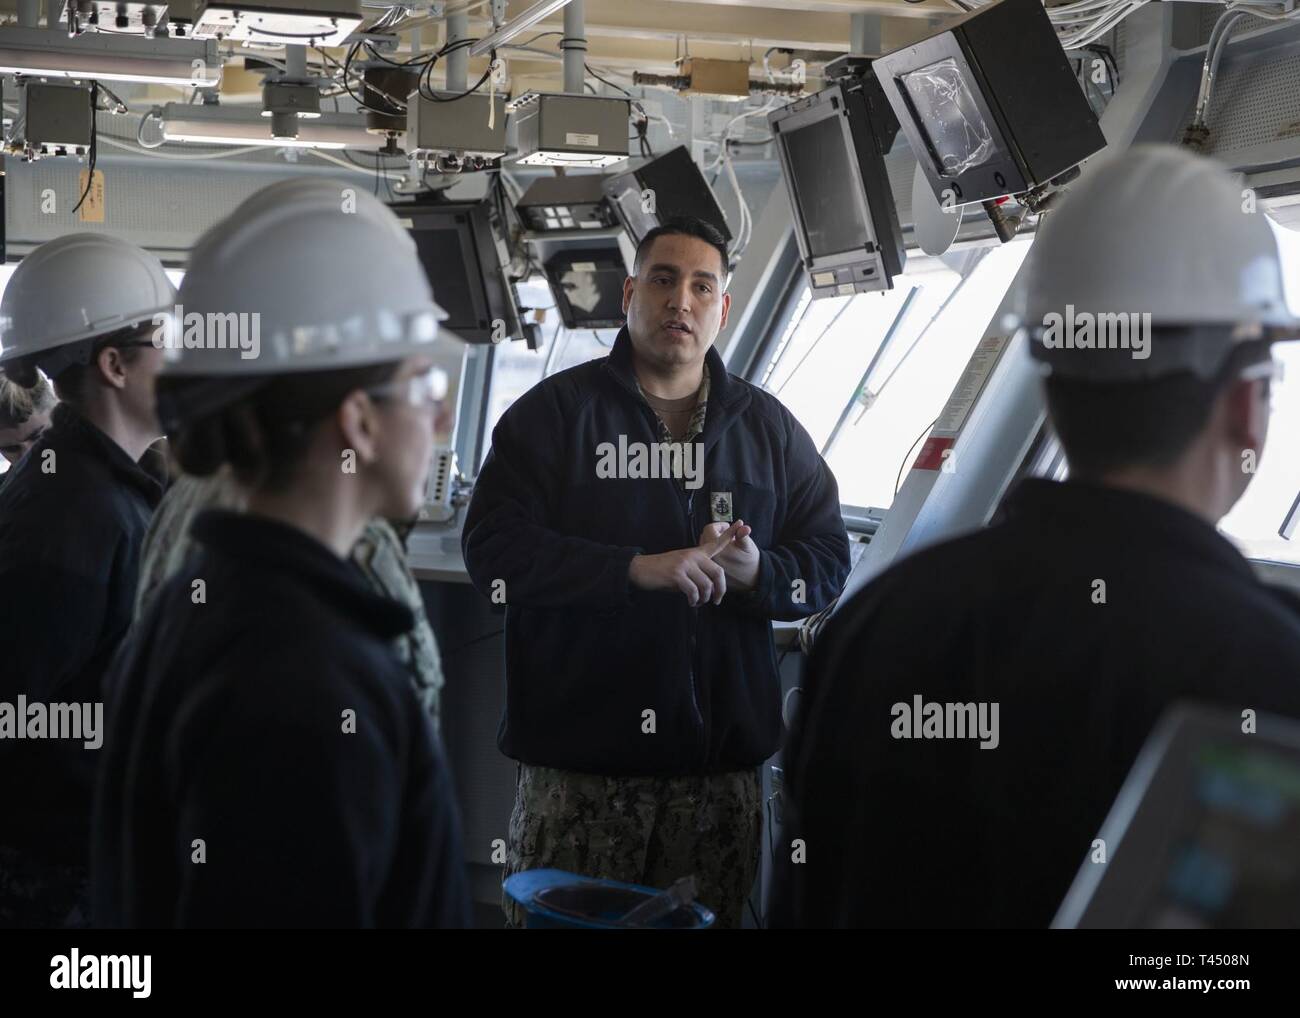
x: 645, y: 517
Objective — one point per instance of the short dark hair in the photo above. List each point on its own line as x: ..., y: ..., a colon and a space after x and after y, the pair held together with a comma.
x: 686, y: 226
x: 72, y: 374
x: 1109, y: 426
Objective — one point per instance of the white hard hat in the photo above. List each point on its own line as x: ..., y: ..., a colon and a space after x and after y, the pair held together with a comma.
x: 323, y: 275
x: 78, y: 287
x: 1159, y: 237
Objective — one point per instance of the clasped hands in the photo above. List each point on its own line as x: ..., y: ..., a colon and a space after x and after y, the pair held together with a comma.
x: 725, y: 557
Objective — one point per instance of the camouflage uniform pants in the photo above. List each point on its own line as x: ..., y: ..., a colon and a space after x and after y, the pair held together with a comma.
x: 648, y: 831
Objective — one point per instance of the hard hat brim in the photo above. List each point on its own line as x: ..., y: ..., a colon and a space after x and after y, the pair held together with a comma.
x: 97, y: 330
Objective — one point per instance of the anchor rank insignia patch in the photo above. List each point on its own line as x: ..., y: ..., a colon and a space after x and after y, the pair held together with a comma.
x: 720, y: 506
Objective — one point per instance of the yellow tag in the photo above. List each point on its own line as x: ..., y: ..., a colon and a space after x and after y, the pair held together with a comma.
x: 92, y: 209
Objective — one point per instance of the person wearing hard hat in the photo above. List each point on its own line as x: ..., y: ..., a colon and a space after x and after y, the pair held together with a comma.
x: 267, y: 761
x: 82, y: 310
x: 380, y: 554
x: 971, y: 714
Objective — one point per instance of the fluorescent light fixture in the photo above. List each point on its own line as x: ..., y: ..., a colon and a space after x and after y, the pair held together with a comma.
x: 577, y: 160
x: 226, y: 125
x: 516, y: 25
x: 261, y: 23
x: 39, y: 52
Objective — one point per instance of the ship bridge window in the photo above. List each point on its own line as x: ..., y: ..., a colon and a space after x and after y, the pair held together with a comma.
x: 1272, y: 502
x: 516, y: 369
x: 868, y: 375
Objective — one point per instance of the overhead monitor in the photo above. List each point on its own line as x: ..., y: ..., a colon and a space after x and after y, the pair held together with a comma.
x: 464, y: 255
x: 587, y: 284
x: 662, y: 188
x: 833, y: 165
x: 573, y: 202
x: 991, y: 105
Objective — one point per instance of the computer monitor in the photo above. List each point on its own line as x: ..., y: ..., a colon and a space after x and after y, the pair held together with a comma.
x: 573, y: 202
x: 1204, y: 833
x: 990, y: 106
x: 677, y: 188
x: 461, y: 247
x: 832, y: 161
x: 587, y: 284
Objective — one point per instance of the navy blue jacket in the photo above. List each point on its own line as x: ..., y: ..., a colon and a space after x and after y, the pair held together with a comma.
x: 73, y: 515
x: 228, y: 725
x: 586, y: 653
x: 939, y: 832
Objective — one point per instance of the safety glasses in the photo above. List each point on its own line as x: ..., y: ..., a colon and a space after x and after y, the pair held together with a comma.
x: 426, y: 389
x: 1270, y: 369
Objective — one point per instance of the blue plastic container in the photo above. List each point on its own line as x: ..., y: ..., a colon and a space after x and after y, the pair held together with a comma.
x: 554, y: 899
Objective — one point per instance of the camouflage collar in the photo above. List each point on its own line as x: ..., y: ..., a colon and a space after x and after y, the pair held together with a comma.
x: 724, y: 391
x: 696, y: 425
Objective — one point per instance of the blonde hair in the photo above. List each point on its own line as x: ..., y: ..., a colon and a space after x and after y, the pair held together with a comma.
x: 18, y: 404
